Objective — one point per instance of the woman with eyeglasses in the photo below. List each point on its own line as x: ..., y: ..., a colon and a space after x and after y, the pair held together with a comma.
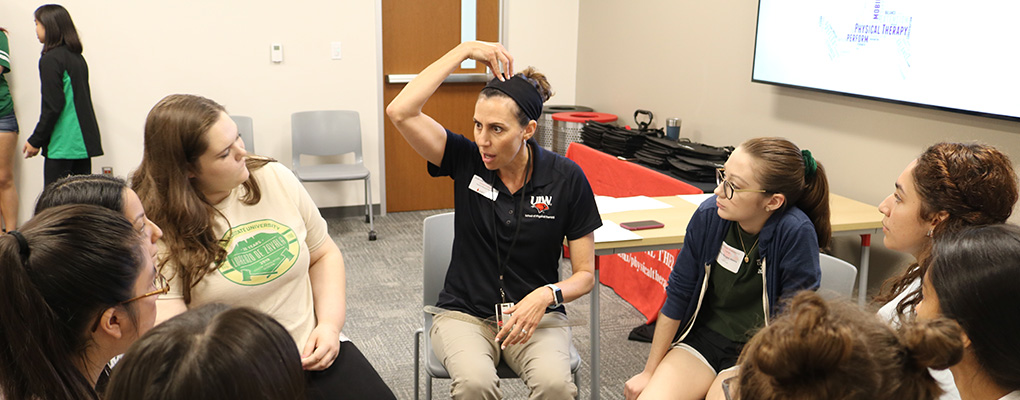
x: 78, y: 288
x: 752, y: 244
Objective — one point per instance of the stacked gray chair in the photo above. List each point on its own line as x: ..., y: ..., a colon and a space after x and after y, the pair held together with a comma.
x: 244, y: 128
x: 331, y: 133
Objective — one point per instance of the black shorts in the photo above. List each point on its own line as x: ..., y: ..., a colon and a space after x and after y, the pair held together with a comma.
x: 350, y: 377
x: 714, y: 349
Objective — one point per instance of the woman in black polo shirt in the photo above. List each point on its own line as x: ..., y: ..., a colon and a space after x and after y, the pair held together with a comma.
x: 514, y: 203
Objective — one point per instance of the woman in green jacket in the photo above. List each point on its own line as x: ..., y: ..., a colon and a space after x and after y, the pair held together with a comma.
x: 67, y: 131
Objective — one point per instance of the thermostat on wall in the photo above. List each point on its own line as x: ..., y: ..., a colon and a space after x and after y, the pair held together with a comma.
x: 276, y: 52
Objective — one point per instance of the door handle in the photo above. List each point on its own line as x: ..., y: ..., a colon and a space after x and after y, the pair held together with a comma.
x: 453, y: 78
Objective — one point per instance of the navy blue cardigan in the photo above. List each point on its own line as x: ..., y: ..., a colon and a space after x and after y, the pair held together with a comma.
x: 788, y: 250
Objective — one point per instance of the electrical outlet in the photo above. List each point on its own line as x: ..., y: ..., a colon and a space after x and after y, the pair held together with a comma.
x: 335, y: 51
x: 107, y: 170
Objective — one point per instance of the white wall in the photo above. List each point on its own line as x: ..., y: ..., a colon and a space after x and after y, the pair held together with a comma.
x: 679, y: 59
x: 140, y: 51
x: 693, y: 60
x: 543, y: 34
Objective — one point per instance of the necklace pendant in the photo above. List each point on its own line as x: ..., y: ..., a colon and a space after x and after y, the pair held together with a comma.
x: 747, y: 259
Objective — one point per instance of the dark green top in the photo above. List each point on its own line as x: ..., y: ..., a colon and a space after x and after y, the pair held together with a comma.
x: 6, y: 104
x: 733, y: 301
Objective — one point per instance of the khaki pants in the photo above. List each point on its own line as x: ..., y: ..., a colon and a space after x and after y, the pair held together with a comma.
x: 469, y: 352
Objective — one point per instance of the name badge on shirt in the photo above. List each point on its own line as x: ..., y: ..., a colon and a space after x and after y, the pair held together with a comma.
x: 478, y: 185
x: 730, y: 258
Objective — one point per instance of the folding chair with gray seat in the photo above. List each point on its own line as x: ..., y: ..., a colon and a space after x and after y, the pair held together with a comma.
x: 437, y: 250
x: 331, y: 133
x: 838, y: 277
x: 244, y: 128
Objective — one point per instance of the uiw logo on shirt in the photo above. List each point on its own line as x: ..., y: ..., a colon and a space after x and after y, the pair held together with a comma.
x: 541, y: 203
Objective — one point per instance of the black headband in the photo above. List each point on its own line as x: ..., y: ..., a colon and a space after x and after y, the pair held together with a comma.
x: 522, y: 92
x: 22, y: 246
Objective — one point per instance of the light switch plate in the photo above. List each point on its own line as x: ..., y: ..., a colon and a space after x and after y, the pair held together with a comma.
x: 335, y: 51
x: 276, y: 52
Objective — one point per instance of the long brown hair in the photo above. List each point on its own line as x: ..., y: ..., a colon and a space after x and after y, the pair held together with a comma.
x: 973, y: 183
x: 174, y: 139
x: 823, y: 350
x: 780, y: 166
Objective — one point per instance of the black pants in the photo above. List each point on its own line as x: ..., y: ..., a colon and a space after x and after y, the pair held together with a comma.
x: 350, y: 377
x: 56, y: 168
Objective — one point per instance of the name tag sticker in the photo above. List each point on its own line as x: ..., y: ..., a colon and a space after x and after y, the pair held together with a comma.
x: 730, y: 258
x: 478, y: 185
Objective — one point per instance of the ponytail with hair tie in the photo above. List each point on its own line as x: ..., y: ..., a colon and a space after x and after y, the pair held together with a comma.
x: 810, y: 165
x: 777, y: 161
x: 22, y: 246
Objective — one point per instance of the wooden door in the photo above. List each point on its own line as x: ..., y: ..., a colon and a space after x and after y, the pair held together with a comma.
x: 416, y: 33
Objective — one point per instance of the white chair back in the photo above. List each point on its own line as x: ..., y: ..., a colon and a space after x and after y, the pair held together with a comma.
x: 838, y: 277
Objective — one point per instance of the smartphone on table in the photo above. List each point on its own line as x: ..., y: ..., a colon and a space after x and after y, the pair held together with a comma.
x: 639, y: 225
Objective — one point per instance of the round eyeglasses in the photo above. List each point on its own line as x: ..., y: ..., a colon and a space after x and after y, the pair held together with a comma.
x: 728, y: 188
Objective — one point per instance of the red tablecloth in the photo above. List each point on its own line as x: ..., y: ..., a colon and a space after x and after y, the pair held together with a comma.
x: 639, y: 278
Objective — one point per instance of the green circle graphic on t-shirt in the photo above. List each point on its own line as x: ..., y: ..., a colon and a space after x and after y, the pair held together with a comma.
x: 259, y: 252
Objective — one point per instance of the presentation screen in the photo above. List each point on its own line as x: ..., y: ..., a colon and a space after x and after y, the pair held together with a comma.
x: 960, y: 56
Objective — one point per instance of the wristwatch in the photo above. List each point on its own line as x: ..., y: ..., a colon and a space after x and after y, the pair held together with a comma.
x: 557, y: 295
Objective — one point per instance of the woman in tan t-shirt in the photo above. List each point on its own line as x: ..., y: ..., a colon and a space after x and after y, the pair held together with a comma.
x: 241, y: 230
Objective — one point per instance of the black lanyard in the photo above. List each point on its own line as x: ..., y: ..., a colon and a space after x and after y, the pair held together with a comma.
x: 502, y: 267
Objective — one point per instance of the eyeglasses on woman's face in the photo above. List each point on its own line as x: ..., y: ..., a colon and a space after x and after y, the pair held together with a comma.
x: 161, y: 285
x: 728, y: 187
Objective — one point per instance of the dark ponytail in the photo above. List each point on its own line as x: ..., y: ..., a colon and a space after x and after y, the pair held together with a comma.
x: 974, y: 274
x: 783, y: 168
x: 57, y: 275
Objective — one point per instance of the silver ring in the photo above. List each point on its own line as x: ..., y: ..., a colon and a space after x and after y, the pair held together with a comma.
x: 524, y: 331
